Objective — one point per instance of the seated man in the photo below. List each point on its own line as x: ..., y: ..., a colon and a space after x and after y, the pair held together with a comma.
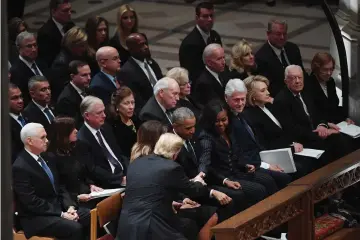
x: 107, y: 164
x: 40, y: 201
x: 159, y: 106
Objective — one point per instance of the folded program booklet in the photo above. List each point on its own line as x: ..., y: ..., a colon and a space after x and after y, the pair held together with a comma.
x: 106, y: 192
x: 349, y: 129
x: 281, y: 157
x: 308, y: 152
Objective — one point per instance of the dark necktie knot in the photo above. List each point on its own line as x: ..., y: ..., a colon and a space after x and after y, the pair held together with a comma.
x: 21, y: 120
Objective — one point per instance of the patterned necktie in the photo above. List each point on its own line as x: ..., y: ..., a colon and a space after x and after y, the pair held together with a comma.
x: 47, y: 170
x: 49, y: 115
x: 21, y: 120
x: 283, y: 59
x: 151, y: 77
x: 35, y: 69
x: 117, y: 165
x: 191, y: 150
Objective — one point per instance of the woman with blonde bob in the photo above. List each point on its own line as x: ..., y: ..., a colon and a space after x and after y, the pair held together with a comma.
x: 268, y: 128
x: 242, y: 63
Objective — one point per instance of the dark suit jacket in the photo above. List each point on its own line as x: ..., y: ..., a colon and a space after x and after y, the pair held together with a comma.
x: 327, y: 107
x: 208, y: 88
x: 49, y: 41
x: 293, y: 118
x: 152, y: 111
x: 34, y: 114
x: 191, y: 50
x: 16, y: 143
x: 35, y: 196
x: 270, y: 66
x: 133, y: 76
x: 98, y: 163
x: 102, y: 87
x: 20, y: 75
x: 152, y: 184
x: 188, y: 161
x: 68, y: 104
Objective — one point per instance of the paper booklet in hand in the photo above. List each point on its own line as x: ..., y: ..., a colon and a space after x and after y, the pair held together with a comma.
x: 106, y: 192
x: 281, y: 157
x: 349, y: 129
x: 309, y: 152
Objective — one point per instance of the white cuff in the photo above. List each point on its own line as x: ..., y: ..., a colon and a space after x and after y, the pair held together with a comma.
x: 265, y: 165
x: 225, y: 180
x: 211, y: 192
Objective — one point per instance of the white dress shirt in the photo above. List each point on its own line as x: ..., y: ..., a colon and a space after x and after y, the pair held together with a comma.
x: 271, y: 116
x: 214, y: 74
x: 204, y: 35
x: 78, y: 90
x: 142, y: 66
x: 323, y: 86
x: 15, y: 117
x: 59, y: 26
x: 93, y: 132
x: 28, y: 64
x: 278, y: 53
x: 36, y: 157
x: 42, y: 110
x: 164, y: 110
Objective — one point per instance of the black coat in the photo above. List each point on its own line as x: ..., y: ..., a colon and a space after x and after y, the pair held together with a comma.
x: 34, y: 114
x: 132, y: 75
x: 152, y: 184
x: 191, y: 104
x: 68, y: 104
x: 16, y: 143
x: 270, y: 66
x: 36, y: 199
x: 98, y: 163
x: 152, y: 111
x: 191, y: 50
x: 102, y: 87
x: 188, y: 161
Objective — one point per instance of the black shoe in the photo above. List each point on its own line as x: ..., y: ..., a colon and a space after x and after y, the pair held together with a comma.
x: 271, y: 3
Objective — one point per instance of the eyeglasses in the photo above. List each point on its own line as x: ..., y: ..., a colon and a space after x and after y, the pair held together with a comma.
x: 115, y: 58
x: 293, y: 78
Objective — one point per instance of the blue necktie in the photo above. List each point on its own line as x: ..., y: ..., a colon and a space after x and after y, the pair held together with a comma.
x: 21, y: 120
x: 49, y: 114
x: 248, y: 129
x: 47, y: 170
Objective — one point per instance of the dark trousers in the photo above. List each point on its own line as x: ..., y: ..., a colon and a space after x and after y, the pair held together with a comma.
x: 64, y: 229
x: 281, y: 179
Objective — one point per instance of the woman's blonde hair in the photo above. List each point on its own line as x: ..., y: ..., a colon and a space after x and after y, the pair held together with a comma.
x: 74, y: 36
x: 181, y: 75
x: 119, y: 28
x: 238, y: 51
x: 168, y: 145
x: 250, y: 83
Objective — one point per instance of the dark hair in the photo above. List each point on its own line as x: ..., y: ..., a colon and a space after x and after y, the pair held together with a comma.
x: 12, y: 86
x: 91, y: 28
x: 54, y: 4
x: 60, y: 131
x: 206, y: 5
x: 209, y: 116
x: 13, y: 28
x: 74, y: 65
x: 116, y: 99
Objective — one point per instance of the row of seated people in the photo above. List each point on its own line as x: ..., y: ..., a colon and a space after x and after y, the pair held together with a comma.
x: 225, y: 155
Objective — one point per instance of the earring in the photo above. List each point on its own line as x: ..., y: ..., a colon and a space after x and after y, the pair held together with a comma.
x: 117, y: 110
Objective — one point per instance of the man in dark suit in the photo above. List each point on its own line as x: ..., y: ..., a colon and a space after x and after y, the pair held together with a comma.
x: 235, y: 97
x: 276, y: 54
x: 68, y: 103
x: 105, y: 82
x: 27, y: 65
x: 140, y: 72
x: 40, y: 200
x: 17, y: 120
x: 210, y: 85
x: 193, y: 45
x: 108, y: 166
x: 159, y: 107
x: 50, y: 34
x: 295, y: 110
x: 38, y: 110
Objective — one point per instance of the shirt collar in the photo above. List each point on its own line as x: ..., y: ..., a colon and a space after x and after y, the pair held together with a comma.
x: 27, y: 63
x: 275, y: 49
x: 216, y: 75
x: 36, y: 157
x: 112, y: 78
x: 91, y: 129
x: 76, y: 88
x: 140, y: 63
x: 59, y: 26
x: 161, y: 106
x: 204, y: 35
x: 39, y: 106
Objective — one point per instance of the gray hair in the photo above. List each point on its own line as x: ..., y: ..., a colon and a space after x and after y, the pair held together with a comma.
x: 235, y: 85
x: 23, y: 36
x: 29, y: 130
x: 181, y: 114
x: 276, y: 21
x: 291, y: 67
x: 87, y: 104
x: 181, y: 75
x: 163, y: 84
x: 36, y: 79
x: 209, y: 50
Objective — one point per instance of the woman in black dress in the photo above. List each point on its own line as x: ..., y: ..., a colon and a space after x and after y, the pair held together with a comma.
x: 122, y: 119
x: 127, y: 23
x: 71, y: 163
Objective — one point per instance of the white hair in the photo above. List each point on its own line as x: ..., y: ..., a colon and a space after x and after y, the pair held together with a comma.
x: 235, y: 85
x: 164, y: 83
x: 22, y: 37
x: 209, y: 49
x: 30, y: 130
x: 291, y: 67
x: 87, y: 104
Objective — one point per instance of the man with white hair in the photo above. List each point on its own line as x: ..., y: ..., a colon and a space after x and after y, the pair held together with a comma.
x: 210, y: 85
x: 104, y: 83
x: 44, y: 208
x: 109, y: 164
x: 235, y: 97
x: 297, y: 114
x: 159, y: 107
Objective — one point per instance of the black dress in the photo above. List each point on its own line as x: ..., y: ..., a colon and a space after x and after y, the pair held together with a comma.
x: 123, y: 52
x: 191, y: 104
x: 242, y: 75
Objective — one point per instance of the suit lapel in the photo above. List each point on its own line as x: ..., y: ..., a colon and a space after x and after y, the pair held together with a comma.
x: 144, y: 79
x: 276, y: 61
x: 199, y: 37
x: 73, y: 92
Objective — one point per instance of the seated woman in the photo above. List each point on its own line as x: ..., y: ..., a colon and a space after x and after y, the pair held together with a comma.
x: 242, y: 63
x: 122, y: 119
x: 15, y: 26
x: 268, y: 129
x: 181, y: 75
x: 127, y: 23
x: 97, y: 30
x: 65, y: 151
x: 153, y: 182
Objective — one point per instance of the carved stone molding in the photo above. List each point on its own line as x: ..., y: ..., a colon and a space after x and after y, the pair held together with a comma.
x: 271, y: 221
x: 337, y: 184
